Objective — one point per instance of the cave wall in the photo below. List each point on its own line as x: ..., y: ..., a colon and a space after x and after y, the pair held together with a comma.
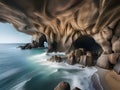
x: 64, y: 21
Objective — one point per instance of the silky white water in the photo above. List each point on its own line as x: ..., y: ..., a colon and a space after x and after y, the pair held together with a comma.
x: 76, y: 75
x: 30, y: 70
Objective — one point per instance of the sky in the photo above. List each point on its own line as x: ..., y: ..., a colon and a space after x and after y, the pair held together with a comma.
x: 8, y: 34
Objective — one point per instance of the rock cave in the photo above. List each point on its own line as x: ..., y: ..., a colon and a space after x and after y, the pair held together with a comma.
x: 68, y: 26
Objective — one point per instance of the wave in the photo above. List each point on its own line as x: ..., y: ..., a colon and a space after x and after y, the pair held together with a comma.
x: 9, y: 73
x: 20, y: 86
x: 76, y: 75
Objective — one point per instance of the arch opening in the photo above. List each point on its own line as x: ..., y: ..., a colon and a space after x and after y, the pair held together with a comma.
x: 88, y: 44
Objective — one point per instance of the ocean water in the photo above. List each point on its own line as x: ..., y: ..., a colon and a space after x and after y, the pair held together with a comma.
x: 30, y: 70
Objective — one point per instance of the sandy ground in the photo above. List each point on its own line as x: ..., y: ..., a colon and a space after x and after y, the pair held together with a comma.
x: 109, y: 79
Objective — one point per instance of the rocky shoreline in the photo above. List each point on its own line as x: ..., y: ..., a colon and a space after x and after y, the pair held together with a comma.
x: 87, y: 30
x: 103, y: 79
x: 105, y: 63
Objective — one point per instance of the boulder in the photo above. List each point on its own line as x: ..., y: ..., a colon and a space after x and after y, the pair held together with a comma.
x: 113, y: 58
x: 79, y: 52
x: 71, y: 58
x: 76, y: 88
x: 107, y: 61
x: 62, y: 86
x: 89, y: 61
x: 55, y: 59
x: 34, y: 44
x: 116, y: 46
x: 82, y: 60
x: 26, y: 46
x: 80, y: 56
x: 85, y: 60
x: 103, y: 61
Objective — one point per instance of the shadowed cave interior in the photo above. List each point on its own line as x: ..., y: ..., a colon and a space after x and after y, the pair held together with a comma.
x: 87, y: 30
x: 88, y: 43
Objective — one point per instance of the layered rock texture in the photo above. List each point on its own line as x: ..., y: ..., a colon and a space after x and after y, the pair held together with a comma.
x: 65, y: 21
x: 67, y: 25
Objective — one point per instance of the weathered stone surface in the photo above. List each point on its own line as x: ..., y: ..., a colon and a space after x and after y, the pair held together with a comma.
x: 103, y: 61
x: 113, y: 58
x: 55, y: 59
x: 116, y: 45
x: 62, y: 86
x: 63, y: 22
x: 36, y: 43
x: 71, y: 58
x: 69, y: 25
x: 76, y: 88
x: 80, y: 56
x: 107, y: 61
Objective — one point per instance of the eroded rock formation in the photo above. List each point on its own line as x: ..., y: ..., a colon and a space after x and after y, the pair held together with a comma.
x: 37, y: 42
x: 64, y: 21
x: 67, y: 25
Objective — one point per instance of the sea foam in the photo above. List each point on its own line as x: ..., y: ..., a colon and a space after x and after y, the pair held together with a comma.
x: 76, y: 75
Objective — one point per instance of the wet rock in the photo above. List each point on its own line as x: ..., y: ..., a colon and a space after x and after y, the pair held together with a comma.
x: 80, y: 56
x: 76, y: 88
x: 27, y: 46
x: 74, y: 56
x: 71, y: 58
x: 55, y: 59
x: 34, y: 44
x: 83, y: 59
x: 62, y: 86
x: 79, y: 52
x: 89, y: 61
